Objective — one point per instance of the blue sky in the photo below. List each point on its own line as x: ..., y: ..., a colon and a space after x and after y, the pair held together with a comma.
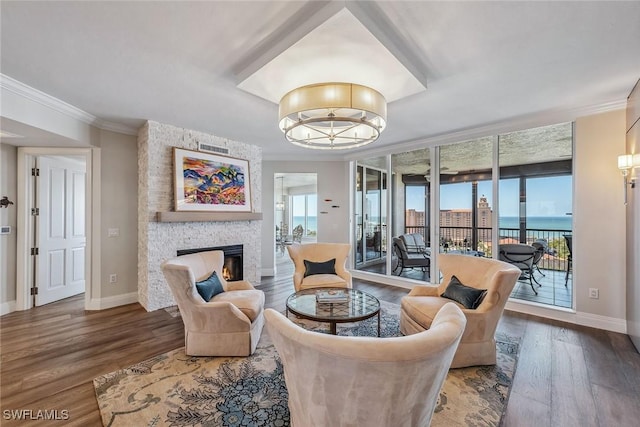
x: 545, y: 196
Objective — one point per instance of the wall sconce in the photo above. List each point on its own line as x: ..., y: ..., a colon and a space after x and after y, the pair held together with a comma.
x: 626, y: 162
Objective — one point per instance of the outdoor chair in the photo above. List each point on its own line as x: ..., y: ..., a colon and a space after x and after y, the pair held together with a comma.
x: 410, y: 260
x: 297, y: 233
x: 365, y: 381
x: 414, y: 242
x: 541, y: 246
x: 568, y: 240
x: 522, y: 256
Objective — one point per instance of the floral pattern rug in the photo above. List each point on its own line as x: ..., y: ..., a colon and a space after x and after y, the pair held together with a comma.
x: 174, y: 389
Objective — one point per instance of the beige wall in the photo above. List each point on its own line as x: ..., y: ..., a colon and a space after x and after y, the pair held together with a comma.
x: 333, y: 183
x: 8, y: 187
x: 599, y: 215
x: 119, y: 207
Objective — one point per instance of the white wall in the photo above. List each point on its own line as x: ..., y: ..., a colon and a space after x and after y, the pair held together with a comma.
x: 8, y: 187
x: 333, y: 183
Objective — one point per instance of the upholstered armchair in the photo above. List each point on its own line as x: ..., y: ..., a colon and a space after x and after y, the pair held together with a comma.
x: 230, y: 323
x: 478, y: 344
x: 310, y: 257
x: 365, y: 381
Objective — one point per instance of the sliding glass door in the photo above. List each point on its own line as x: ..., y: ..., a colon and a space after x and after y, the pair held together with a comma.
x: 371, y: 216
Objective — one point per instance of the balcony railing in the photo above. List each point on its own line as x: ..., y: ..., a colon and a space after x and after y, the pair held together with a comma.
x: 461, y: 238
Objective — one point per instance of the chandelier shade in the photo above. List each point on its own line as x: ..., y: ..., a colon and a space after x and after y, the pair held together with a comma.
x: 332, y: 116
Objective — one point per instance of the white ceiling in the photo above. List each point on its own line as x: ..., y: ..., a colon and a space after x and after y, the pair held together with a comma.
x: 181, y: 62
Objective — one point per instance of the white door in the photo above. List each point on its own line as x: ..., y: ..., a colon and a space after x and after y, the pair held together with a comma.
x: 60, y: 229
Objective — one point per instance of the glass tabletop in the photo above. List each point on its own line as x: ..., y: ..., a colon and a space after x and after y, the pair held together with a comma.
x: 359, y: 305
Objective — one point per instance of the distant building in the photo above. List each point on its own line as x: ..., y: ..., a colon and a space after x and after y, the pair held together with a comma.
x: 462, y: 217
x: 455, y: 218
x: 415, y: 218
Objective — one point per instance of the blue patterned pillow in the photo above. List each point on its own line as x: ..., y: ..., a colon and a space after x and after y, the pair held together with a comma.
x: 467, y: 296
x: 210, y: 287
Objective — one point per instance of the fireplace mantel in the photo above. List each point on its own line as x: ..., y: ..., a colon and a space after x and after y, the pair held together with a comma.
x: 207, y: 216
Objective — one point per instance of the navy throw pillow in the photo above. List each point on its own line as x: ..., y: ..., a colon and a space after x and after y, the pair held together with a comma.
x: 327, y: 267
x: 467, y: 296
x: 210, y: 287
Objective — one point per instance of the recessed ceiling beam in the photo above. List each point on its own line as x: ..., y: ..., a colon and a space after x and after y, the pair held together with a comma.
x: 383, y: 29
x: 301, y: 23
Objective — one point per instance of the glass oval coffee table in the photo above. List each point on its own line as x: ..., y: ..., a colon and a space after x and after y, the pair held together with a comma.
x: 358, y: 306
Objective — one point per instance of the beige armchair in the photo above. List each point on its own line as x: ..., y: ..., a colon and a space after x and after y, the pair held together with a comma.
x: 318, y: 253
x: 229, y: 324
x: 478, y: 345
x: 365, y: 381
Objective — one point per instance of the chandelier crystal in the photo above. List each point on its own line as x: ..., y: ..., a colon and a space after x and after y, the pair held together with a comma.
x: 332, y: 116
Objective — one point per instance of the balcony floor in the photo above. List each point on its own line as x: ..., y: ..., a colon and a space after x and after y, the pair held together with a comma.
x: 552, y: 292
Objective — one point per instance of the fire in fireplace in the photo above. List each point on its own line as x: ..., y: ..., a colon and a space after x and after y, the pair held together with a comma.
x: 233, y: 265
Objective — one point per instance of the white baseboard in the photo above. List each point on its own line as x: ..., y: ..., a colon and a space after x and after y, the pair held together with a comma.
x: 386, y: 280
x: 7, y: 307
x: 570, y: 316
x: 113, y: 301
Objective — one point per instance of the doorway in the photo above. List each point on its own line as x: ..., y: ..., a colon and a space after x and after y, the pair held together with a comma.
x: 55, y: 245
x: 296, y: 211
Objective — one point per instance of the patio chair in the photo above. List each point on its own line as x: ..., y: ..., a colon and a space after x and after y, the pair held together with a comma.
x: 414, y: 242
x: 522, y: 256
x: 541, y: 246
x: 297, y: 234
x: 568, y: 240
x: 407, y: 259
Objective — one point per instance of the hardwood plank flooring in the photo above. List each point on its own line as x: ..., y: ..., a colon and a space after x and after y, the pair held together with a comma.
x: 567, y: 375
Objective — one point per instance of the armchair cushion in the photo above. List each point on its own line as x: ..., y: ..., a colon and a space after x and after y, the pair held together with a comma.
x: 209, y: 287
x: 325, y: 280
x: 250, y: 302
x: 326, y: 267
x: 467, y: 296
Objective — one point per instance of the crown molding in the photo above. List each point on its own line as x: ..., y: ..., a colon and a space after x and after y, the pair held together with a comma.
x: 12, y: 85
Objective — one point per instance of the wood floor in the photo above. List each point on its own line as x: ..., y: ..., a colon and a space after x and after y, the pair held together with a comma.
x: 566, y: 375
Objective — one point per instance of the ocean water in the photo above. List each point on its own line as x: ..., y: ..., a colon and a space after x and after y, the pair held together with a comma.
x: 538, y: 222
x: 312, y: 223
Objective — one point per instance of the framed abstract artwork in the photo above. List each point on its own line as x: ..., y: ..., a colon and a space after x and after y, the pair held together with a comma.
x: 210, y: 182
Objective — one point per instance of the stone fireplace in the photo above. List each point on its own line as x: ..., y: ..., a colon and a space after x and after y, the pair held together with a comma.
x: 160, y: 241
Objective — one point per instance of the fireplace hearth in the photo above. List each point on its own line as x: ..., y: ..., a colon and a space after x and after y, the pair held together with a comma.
x: 233, y: 263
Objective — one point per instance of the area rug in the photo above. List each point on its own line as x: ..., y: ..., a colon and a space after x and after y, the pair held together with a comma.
x: 173, y: 389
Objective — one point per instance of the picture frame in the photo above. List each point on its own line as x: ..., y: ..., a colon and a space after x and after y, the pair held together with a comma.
x: 210, y: 182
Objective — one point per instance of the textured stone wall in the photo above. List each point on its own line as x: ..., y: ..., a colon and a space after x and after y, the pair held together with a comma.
x: 158, y: 242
